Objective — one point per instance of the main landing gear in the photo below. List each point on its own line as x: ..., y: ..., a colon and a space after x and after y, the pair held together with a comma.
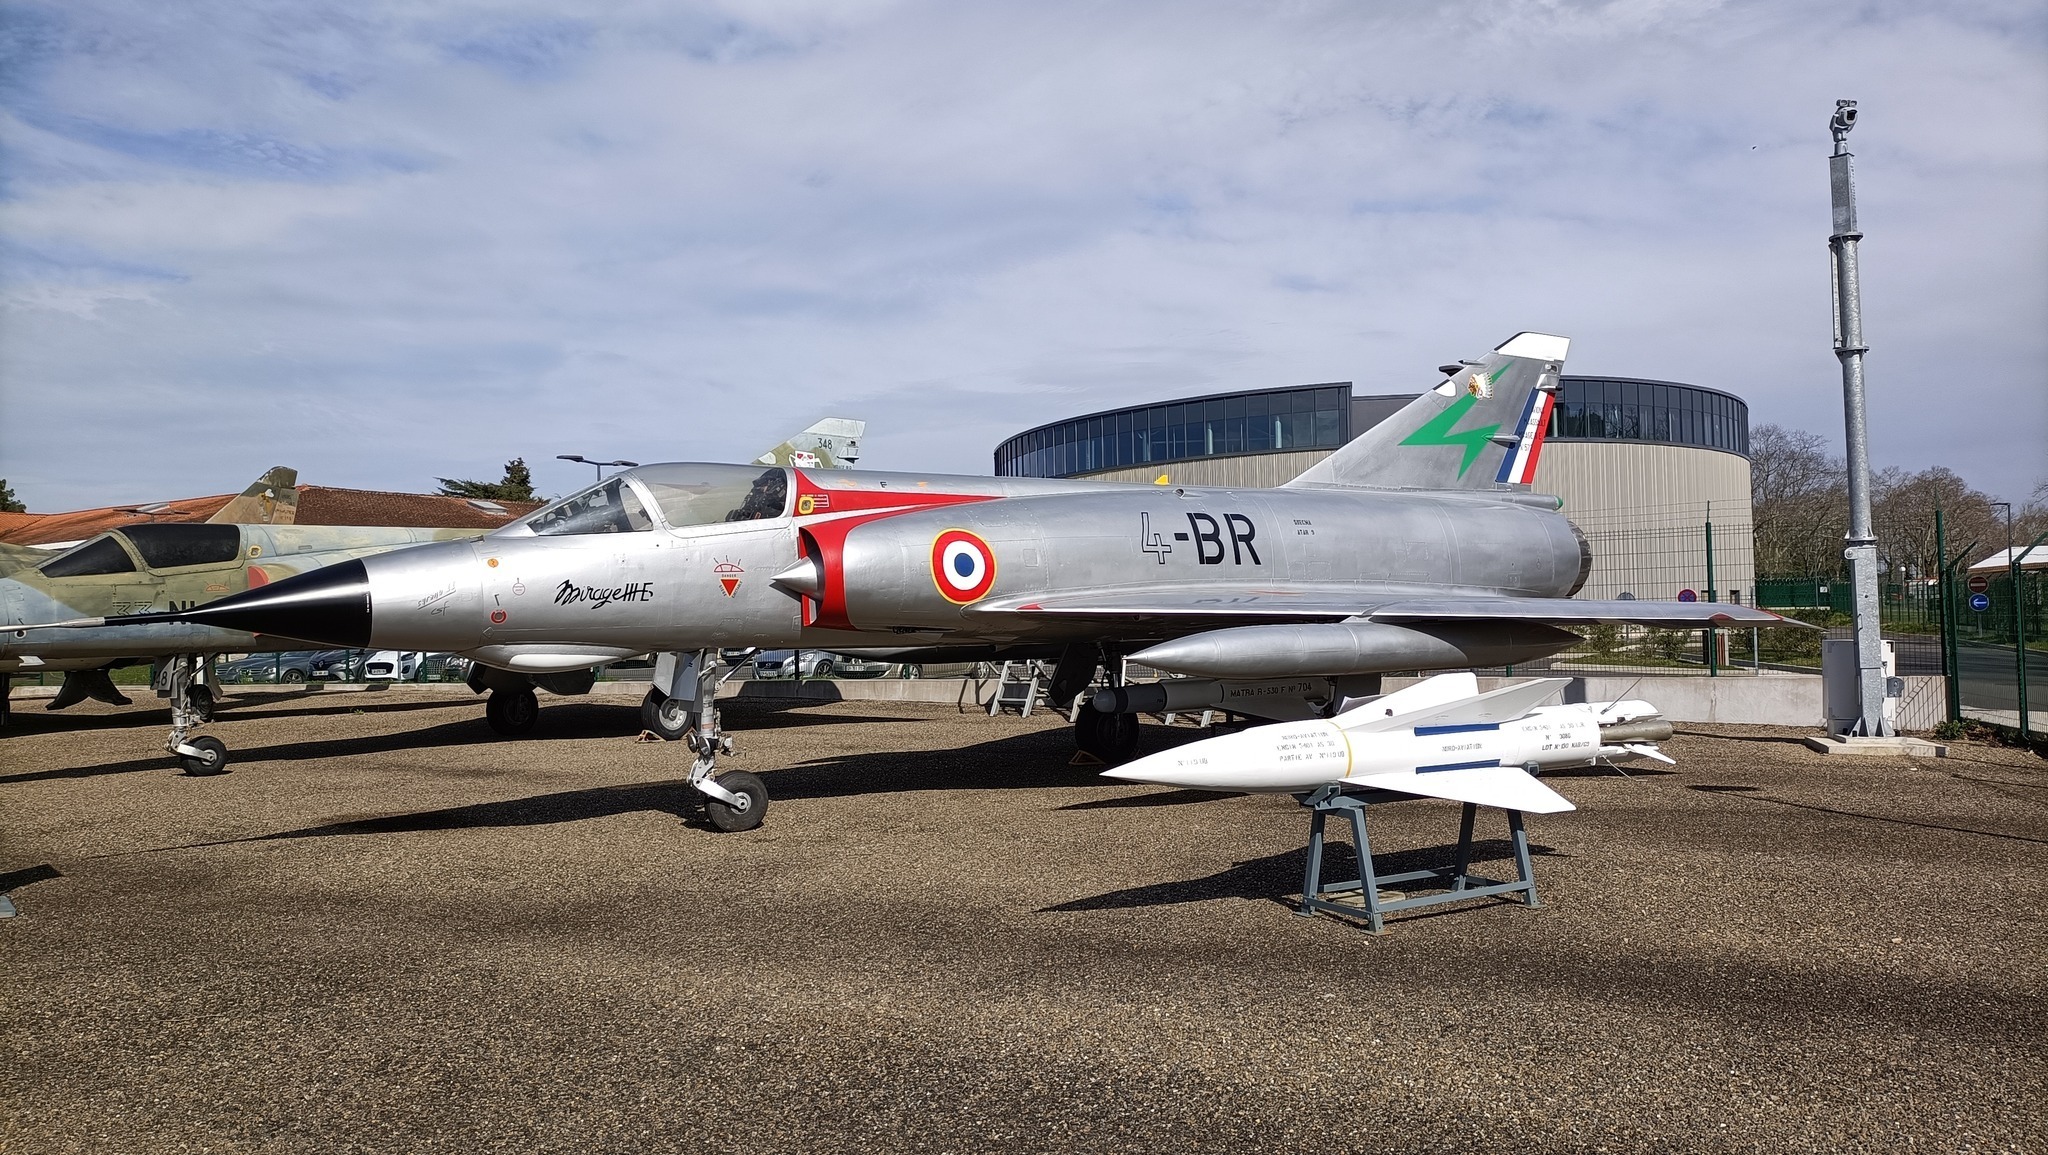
x: 1107, y: 738
x: 669, y: 719
x: 192, y: 705
x: 513, y: 710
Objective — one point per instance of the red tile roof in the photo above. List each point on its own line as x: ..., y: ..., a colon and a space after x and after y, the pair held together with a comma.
x: 44, y: 528
x: 318, y: 505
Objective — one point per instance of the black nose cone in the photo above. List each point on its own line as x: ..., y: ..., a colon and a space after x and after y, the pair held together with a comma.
x: 329, y: 605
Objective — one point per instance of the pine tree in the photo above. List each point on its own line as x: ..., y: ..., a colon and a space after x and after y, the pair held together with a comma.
x: 517, y: 485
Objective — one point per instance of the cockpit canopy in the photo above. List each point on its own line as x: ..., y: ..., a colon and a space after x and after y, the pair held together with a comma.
x: 159, y: 547
x: 680, y: 495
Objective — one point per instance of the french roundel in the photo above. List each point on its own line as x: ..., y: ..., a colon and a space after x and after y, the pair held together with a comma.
x: 963, y: 567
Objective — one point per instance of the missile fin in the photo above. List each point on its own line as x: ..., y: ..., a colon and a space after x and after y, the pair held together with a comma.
x: 1385, y: 711
x: 1502, y: 705
x: 1506, y: 787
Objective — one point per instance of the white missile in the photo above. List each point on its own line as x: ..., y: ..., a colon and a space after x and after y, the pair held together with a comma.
x: 1440, y: 738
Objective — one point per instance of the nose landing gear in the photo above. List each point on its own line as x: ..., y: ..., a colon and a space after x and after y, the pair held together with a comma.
x: 192, y: 705
x: 734, y: 801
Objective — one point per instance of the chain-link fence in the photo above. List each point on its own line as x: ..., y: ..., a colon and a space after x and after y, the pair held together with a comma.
x: 1996, y: 649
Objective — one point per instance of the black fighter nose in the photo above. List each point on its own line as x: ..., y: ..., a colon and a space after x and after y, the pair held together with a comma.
x: 329, y: 605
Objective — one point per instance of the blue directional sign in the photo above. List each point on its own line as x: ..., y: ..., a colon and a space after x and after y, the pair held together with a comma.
x: 1980, y: 602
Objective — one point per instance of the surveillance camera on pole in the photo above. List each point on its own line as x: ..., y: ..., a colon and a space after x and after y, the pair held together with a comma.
x: 1861, y: 545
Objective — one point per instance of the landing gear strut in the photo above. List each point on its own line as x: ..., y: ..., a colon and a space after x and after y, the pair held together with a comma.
x: 735, y: 800
x: 192, y: 705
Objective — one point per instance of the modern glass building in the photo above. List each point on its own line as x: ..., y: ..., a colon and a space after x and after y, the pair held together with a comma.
x: 1631, y: 409
x: 1307, y: 418
x: 1224, y: 424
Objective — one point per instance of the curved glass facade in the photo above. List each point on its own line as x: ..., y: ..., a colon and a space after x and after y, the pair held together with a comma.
x: 1325, y: 417
x: 1630, y: 409
x: 1227, y: 424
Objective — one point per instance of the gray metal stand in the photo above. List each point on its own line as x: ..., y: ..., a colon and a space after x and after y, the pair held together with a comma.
x: 1463, y: 885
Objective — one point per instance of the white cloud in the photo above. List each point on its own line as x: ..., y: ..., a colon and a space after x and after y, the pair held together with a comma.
x: 385, y: 243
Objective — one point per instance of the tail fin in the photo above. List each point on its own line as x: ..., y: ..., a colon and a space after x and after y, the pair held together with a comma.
x: 833, y: 443
x: 1482, y: 427
x: 272, y: 500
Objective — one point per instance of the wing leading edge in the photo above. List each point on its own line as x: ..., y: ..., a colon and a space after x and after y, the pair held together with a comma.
x: 1309, y: 604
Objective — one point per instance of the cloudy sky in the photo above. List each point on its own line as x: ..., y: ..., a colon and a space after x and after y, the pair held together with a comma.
x: 384, y: 242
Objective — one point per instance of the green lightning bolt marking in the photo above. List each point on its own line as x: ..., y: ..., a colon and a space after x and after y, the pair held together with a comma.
x: 1438, y: 431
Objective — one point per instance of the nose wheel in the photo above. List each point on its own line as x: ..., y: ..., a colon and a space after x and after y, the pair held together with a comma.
x: 208, y: 756
x: 743, y: 805
x: 192, y: 705
x: 734, y: 801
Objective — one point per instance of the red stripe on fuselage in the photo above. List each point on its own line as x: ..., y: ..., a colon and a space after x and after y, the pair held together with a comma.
x: 822, y: 534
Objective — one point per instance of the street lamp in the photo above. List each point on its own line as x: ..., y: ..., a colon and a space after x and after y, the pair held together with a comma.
x: 600, y: 464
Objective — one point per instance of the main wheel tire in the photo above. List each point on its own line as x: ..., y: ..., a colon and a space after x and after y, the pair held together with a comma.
x: 199, y: 700
x: 212, y: 758
x: 1110, y: 737
x: 512, y: 712
x: 730, y: 819
x: 824, y: 669
x: 295, y: 676
x: 670, y: 718
x: 913, y: 670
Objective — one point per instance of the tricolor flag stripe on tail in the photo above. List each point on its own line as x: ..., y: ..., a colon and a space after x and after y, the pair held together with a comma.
x: 1519, y: 466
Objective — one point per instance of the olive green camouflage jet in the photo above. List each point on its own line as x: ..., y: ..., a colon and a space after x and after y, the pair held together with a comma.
x: 140, y: 568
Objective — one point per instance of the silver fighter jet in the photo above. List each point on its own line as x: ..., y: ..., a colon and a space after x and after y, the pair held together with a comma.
x: 1416, y: 546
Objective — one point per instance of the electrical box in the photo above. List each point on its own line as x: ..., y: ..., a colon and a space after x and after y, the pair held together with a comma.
x: 1840, y: 702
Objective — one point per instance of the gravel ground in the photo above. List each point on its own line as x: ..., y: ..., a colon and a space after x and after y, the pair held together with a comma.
x: 388, y: 931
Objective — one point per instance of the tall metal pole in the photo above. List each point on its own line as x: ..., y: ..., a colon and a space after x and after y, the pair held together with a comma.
x: 1713, y: 595
x: 1861, y: 546
x: 1950, y: 677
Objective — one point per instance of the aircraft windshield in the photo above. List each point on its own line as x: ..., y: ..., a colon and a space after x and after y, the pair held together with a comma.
x: 101, y: 555
x: 707, y: 494
x: 609, y: 507
x: 170, y: 546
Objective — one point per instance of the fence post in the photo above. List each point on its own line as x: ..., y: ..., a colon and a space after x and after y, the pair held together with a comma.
x: 1945, y: 607
x: 1952, y: 654
x: 2019, y: 627
x: 1713, y: 595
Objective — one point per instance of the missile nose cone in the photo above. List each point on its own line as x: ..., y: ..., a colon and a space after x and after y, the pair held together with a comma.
x: 329, y: 605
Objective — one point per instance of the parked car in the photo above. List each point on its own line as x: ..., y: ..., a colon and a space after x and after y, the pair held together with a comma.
x: 392, y: 666
x: 443, y: 668
x: 853, y: 666
x: 793, y: 664
x: 292, y: 666
x: 337, y: 665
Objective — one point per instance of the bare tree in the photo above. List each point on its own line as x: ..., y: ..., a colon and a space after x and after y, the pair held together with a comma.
x: 1902, y: 508
x: 1799, y: 503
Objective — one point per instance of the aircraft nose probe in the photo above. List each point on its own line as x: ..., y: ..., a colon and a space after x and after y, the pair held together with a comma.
x: 329, y: 605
